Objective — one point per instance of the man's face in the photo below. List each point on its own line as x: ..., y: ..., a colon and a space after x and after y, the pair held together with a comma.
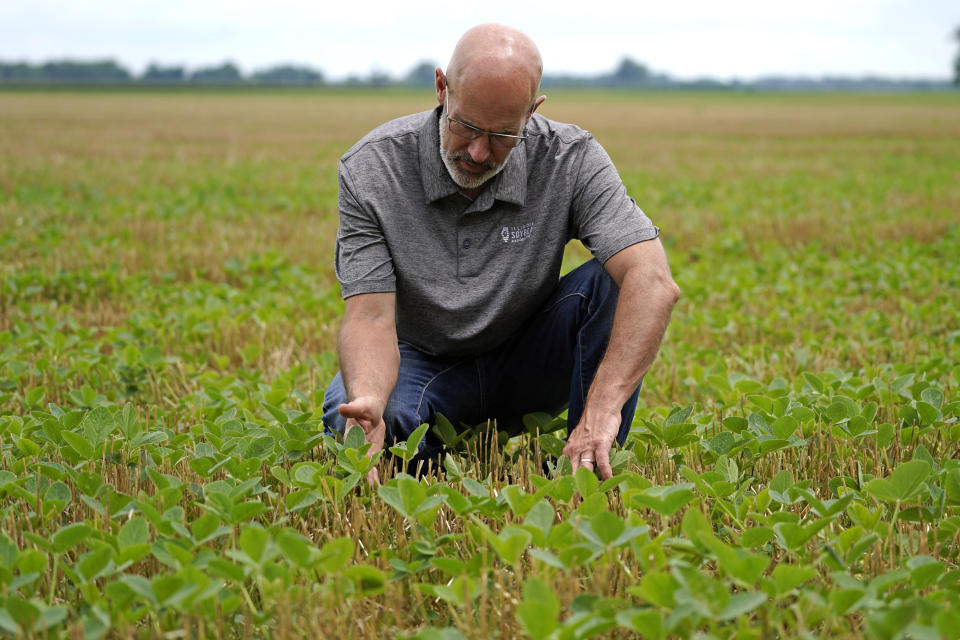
x: 471, y: 163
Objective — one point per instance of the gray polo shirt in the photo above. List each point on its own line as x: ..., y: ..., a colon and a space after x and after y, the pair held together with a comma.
x: 468, y: 273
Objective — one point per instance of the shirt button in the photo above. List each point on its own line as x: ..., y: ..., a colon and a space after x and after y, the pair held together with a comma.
x: 466, y: 244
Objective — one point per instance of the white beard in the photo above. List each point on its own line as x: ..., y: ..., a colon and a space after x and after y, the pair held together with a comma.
x: 464, y: 179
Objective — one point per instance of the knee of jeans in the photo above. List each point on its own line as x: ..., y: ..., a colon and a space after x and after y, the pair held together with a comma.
x: 335, y: 395
x: 400, y: 420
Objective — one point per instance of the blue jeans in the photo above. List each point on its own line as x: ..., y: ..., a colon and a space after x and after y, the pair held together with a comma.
x: 546, y: 366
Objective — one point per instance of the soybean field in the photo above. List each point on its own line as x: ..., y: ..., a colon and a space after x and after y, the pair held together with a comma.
x: 168, y: 319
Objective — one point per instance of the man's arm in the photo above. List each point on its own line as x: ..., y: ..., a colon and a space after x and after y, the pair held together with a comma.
x: 369, y: 361
x: 647, y: 295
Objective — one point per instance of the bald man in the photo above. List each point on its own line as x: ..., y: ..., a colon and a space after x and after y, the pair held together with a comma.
x: 453, y: 224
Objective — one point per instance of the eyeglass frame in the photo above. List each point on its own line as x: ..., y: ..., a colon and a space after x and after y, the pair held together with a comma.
x: 480, y: 132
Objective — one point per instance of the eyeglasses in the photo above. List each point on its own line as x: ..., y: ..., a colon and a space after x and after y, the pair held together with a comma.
x: 470, y: 132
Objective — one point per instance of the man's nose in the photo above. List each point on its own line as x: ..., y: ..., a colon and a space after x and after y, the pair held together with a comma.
x: 479, y: 148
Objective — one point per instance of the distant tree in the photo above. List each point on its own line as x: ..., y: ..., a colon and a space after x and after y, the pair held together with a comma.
x: 156, y: 73
x: 71, y: 71
x: 379, y: 79
x: 16, y: 72
x: 226, y: 73
x: 288, y: 75
x: 421, y: 75
x: 630, y: 73
x: 956, y: 62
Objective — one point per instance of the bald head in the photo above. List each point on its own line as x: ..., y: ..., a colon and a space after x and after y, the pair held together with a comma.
x: 490, y: 87
x: 498, y: 58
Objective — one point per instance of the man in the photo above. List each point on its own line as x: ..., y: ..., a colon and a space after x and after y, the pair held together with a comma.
x: 452, y: 229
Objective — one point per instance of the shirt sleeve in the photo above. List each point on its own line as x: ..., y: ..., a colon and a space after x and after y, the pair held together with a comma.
x: 362, y: 259
x: 606, y: 220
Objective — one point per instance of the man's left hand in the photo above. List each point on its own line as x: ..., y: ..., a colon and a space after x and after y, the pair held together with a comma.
x: 590, y: 442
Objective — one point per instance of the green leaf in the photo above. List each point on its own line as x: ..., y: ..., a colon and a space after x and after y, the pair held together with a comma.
x: 32, y: 561
x: 904, y: 483
x: 296, y: 548
x: 787, y: 577
x: 83, y: 448
x: 35, y: 396
x: 70, y: 536
x: 746, y: 385
x: 814, y: 382
x: 225, y: 569
x: 355, y: 438
x: 22, y: 611
x: 539, y: 610
x: 586, y: 481
x: 276, y: 412
x: 52, y: 428
x: 933, y: 397
x: 784, y: 427
x: 206, y: 527
x: 8, y: 550
x: 735, y: 423
x: 947, y: 622
x: 720, y: 444
x: 607, y: 527
x: 261, y: 447
x: 413, y: 441
x: 444, y: 430
x: 657, y: 587
x: 678, y: 435
x: 646, y: 622
x: 253, y: 542
x: 695, y: 524
x: 665, y: 500
x: 678, y: 415
x: 8, y: 624
x: 58, y: 491
x: 246, y: 511
x: 134, y: 531
x: 366, y: 579
x: 924, y: 571
x: 335, y: 554
x: 127, y: 421
x: 541, y: 516
x: 756, y: 536
x: 97, y: 425
x: 94, y: 562
x: 740, y: 604
x: 510, y: 544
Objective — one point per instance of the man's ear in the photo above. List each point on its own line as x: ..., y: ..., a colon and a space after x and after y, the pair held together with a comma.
x: 440, y: 82
x: 536, y: 103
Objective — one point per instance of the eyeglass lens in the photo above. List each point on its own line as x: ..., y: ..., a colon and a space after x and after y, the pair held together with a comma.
x: 496, y: 140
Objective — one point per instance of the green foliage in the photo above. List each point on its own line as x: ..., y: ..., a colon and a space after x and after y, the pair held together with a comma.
x: 167, y: 325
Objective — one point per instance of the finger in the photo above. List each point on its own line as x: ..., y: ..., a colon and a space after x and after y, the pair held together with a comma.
x: 375, y: 437
x: 573, y: 453
x: 603, y: 464
x: 373, y: 478
x: 353, y: 410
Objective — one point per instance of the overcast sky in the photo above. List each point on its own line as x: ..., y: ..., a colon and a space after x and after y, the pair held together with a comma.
x: 685, y: 38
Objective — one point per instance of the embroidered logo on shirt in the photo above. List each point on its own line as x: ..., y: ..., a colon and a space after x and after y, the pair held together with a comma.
x: 513, y: 235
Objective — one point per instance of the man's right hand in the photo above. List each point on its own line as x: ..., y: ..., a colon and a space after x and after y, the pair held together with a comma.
x: 367, y: 413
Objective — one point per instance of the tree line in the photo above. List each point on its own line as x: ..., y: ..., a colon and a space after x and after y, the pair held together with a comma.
x: 627, y: 74
x: 111, y: 72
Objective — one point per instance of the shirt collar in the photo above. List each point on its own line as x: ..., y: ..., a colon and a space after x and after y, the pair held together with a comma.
x: 510, y: 185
